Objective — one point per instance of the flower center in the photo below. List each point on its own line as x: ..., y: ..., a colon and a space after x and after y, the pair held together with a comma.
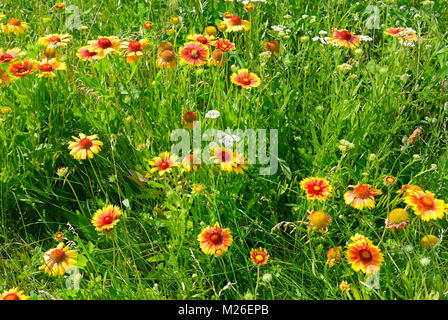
x: 104, y: 43
x: 194, y: 53
x: 365, y: 256
x: 236, y: 21
x: 225, y: 156
x: 11, y: 296
x: 164, y: 165
x: 202, y: 39
x: 190, y: 116
x: 55, y: 39
x: 85, y: 143
x: 259, y: 257
x: 362, y: 191
x: 215, y: 238
x: 427, y: 201
x: 6, y: 57
x: 134, y: 46
x: 168, y: 56
x: 319, y: 219
x: 316, y: 188
x: 58, y: 255
x: 15, y: 22
x: 46, y: 67
x: 345, y: 35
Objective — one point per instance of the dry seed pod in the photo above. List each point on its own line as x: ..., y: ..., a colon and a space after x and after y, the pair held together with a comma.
x: 414, y: 136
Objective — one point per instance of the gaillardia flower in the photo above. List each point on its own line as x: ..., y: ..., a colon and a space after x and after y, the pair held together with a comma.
x: 363, y: 255
x: 397, y: 218
x: 344, y: 286
x: 259, y: 256
x: 235, y: 24
x: 214, y: 240
x: 344, y: 38
x: 224, y: 45
x: 362, y: 196
x: 10, y: 55
x: 389, y: 180
x: 240, y: 162
x: 87, y: 53
x: 223, y: 157
x: 164, y: 163
x: 425, y: 205
x: 194, y: 53
x: 85, y: 146
x: 54, y: 40
x: 408, y: 189
x: 105, y: 45
x: 319, y: 221
x: 406, y: 34
x: 245, y: 79
x: 167, y: 59
x: 57, y: 260
x: 333, y: 256
x: 47, y: 67
x: 13, y: 294
x: 204, y: 39
x: 16, y: 26
x: 316, y: 188
x: 147, y: 25
x: 134, y: 49
x: 22, y: 68
x: 106, y: 218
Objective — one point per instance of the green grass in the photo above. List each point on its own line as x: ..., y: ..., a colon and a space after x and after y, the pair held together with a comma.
x: 153, y: 252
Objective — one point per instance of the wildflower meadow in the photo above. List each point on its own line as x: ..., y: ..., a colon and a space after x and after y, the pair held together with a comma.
x: 223, y: 150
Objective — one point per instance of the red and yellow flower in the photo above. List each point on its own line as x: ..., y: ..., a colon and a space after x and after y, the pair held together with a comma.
x: 85, y: 146
x: 259, y: 256
x: 87, y: 53
x: 10, y: 55
x: 344, y: 38
x: 194, y: 53
x: 47, y: 67
x: 22, y: 68
x: 344, y: 286
x: 319, y: 221
x: 425, y: 205
x: 15, y: 26
x: 13, y: 294
x: 54, y: 40
x: 240, y: 162
x: 4, y: 79
x: 147, y: 25
x: 57, y: 260
x: 316, y: 188
x: 133, y: 50
x: 191, y: 162
x: 204, y: 39
x: 236, y: 24
x: 362, y: 196
x: 406, y: 34
x: 164, y: 163
x: 106, y: 218
x: 245, y: 79
x: 105, y: 45
x: 363, y: 255
x: 214, y: 240
x: 223, y: 157
x: 389, y: 180
x: 408, y: 189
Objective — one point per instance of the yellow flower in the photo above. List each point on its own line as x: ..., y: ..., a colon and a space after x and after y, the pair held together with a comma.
x: 344, y: 286
x: 58, y: 260
x: 164, y: 163
x: 425, y: 205
x: 15, y: 26
x: 13, y: 294
x: 429, y: 241
x: 333, y: 256
x: 363, y: 255
x: 214, y: 240
x: 106, y: 218
x: 319, y: 220
x: 85, y: 146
